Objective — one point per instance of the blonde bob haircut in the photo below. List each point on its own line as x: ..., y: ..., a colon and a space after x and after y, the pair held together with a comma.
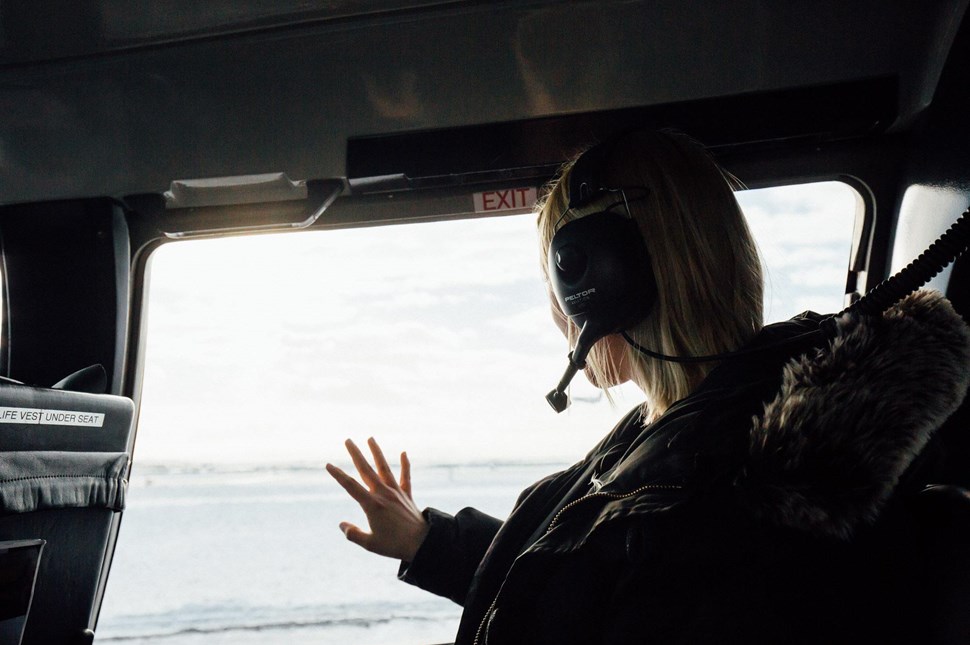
x: 706, y: 264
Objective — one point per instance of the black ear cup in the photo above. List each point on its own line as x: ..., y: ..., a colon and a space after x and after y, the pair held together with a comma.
x: 599, y: 268
x: 600, y: 274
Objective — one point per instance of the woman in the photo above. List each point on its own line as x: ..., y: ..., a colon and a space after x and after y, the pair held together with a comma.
x: 755, y: 497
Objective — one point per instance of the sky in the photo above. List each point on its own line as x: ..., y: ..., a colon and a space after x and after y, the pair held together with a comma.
x: 434, y: 338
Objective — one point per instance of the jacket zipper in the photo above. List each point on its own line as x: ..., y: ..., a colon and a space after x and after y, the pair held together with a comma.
x: 481, y: 625
x: 636, y: 491
x: 555, y: 520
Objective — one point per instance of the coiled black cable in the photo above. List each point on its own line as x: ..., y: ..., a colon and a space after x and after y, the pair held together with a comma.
x: 947, y: 248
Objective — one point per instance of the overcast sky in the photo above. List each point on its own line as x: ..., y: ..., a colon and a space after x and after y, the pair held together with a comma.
x: 435, y: 338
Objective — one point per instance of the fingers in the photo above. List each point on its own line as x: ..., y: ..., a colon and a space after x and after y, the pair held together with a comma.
x: 360, y: 462
x: 385, y: 471
x: 349, y: 484
x: 382, y: 479
x: 406, y: 474
x: 356, y: 535
x: 396, y: 526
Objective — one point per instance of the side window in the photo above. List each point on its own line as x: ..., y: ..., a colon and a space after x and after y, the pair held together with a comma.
x: 264, y: 353
x: 804, y: 233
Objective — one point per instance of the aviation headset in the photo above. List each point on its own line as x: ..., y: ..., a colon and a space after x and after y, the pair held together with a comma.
x: 600, y: 272
x: 598, y: 265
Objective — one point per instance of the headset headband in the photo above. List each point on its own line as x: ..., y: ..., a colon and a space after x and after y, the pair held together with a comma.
x: 585, y: 177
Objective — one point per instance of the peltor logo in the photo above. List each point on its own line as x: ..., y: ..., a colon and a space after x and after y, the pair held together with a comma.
x: 581, y: 294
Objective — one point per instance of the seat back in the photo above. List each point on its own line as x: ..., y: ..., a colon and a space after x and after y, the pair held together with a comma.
x: 63, y: 474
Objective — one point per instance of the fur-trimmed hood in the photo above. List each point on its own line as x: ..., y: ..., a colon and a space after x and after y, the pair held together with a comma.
x: 850, y: 418
x: 815, y: 443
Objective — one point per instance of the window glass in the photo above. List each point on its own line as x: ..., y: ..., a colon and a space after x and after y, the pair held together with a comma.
x: 804, y: 234
x: 265, y: 353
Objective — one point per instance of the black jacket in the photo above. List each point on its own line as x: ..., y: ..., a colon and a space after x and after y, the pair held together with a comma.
x: 766, y: 507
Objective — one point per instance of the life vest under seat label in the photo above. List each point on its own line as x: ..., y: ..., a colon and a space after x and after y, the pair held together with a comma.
x: 36, y: 416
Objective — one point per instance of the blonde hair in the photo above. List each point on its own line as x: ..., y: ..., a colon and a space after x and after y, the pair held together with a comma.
x: 706, y: 264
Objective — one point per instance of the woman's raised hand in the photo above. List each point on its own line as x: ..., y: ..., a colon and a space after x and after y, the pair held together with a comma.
x: 396, y: 524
